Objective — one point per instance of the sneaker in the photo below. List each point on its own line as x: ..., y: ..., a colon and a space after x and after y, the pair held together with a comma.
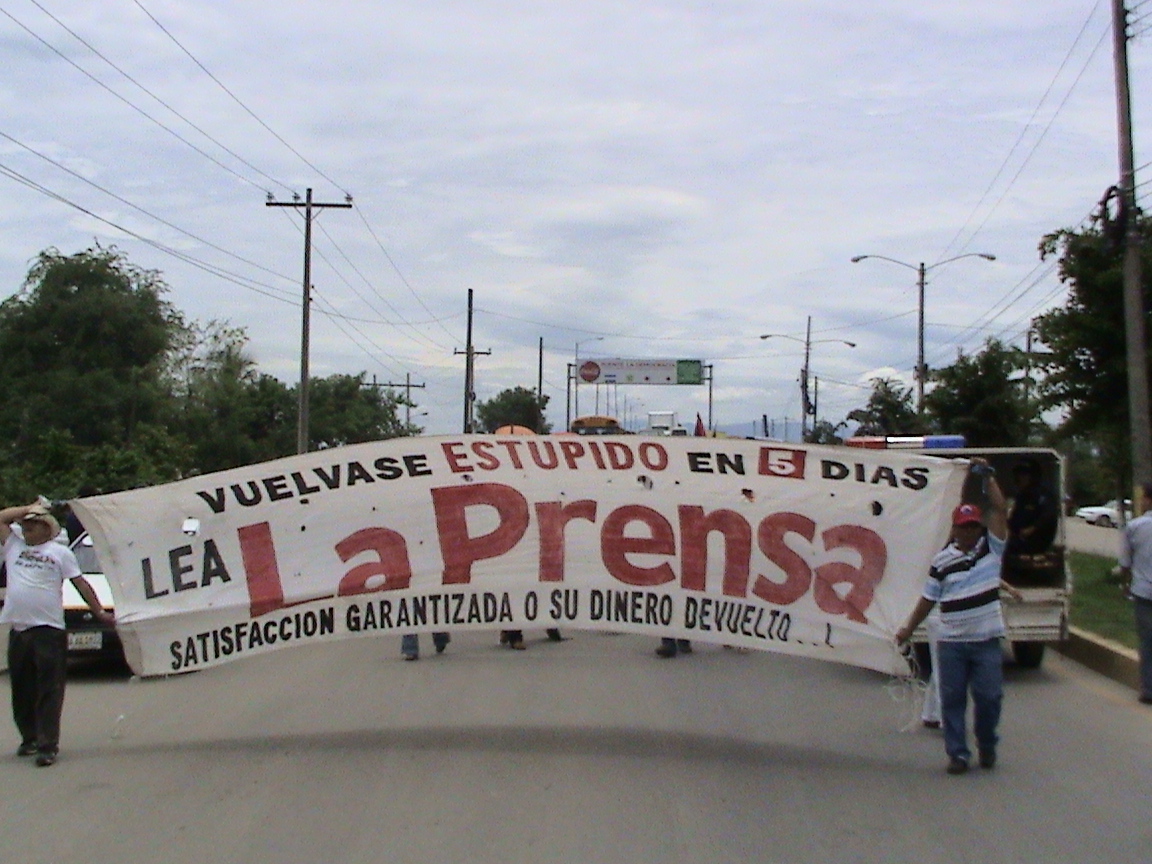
x: 43, y: 760
x: 957, y: 765
x: 931, y: 724
x: 665, y: 651
x: 1147, y: 700
x: 26, y: 749
x: 685, y: 647
x: 517, y: 646
x: 411, y: 656
x: 554, y: 635
x: 987, y: 758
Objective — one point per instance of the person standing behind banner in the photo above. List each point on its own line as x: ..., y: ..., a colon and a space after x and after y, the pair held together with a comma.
x: 410, y: 644
x: 37, y: 643
x: 965, y: 580
x: 1136, y: 566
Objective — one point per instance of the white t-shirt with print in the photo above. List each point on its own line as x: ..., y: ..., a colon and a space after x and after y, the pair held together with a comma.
x: 36, y: 577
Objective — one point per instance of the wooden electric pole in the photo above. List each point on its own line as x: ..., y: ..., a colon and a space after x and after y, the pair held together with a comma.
x: 309, y: 205
x: 1140, y: 424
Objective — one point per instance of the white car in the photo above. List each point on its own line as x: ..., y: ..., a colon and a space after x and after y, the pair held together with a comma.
x: 88, y: 637
x: 1105, y: 515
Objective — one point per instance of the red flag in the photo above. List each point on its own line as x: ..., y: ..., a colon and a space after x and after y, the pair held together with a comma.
x: 700, y: 430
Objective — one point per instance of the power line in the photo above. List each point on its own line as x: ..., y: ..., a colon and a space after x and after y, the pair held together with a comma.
x: 236, y: 98
x: 132, y: 105
x: 1024, y: 131
x: 214, y: 140
x: 243, y: 281
x: 140, y: 209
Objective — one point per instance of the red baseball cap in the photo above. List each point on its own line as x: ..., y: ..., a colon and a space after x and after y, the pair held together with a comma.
x: 966, y: 514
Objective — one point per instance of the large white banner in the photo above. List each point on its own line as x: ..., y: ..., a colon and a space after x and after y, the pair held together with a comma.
x: 814, y: 551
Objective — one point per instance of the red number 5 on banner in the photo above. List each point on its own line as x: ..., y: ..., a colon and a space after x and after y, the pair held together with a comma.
x: 782, y: 462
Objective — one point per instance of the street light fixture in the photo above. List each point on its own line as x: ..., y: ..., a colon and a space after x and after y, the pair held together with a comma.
x: 576, y: 372
x: 921, y: 272
x: 807, y: 407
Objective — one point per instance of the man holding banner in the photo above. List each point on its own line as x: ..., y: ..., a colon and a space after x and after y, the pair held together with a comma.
x: 965, y: 581
x: 34, y: 606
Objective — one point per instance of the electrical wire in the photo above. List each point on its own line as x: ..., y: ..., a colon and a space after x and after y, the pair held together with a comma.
x: 132, y: 105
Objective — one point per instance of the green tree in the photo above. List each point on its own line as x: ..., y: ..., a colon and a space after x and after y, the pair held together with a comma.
x: 977, y: 397
x: 82, y: 358
x: 826, y: 432
x: 516, y: 406
x: 889, y: 410
x: 1085, y: 369
x: 229, y: 411
x: 344, y: 409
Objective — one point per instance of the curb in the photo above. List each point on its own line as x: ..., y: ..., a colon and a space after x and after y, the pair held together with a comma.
x: 1109, y: 658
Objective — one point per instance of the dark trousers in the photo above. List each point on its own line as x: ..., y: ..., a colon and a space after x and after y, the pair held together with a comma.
x: 38, y: 668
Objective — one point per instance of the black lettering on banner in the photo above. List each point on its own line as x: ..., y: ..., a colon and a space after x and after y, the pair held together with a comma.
x: 531, y: 606
x: 209, y: 646
x: 565, y: 604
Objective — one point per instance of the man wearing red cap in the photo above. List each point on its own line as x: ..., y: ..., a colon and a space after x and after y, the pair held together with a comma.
x: 965, y: 580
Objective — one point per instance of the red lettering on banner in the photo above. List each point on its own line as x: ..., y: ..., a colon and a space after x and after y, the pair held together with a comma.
x: 513, y: 448
x: 862, y: 580
x: 485, y: 459
x: 456, y: 463
x: 458, y: 549
x: 619, y: 456
x: 653, y: 456
x: 553, y: 461
x: 391, y: 562
x: 694, y: 530
x: 572, y: 451
x: 552, y: 517
x: 265, y: 593
x: 838, y: 587
x: 797, y: 574
x: 615, y: 547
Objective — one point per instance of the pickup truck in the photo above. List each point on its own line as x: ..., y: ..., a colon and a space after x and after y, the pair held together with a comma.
x: 1043, y: 577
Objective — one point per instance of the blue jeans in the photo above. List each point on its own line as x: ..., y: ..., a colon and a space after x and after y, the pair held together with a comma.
x: 1143, y: 609
x: 978, y: 666
x: 410, y: 643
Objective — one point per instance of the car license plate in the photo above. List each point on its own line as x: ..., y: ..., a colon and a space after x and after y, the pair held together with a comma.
x: 91, y: 641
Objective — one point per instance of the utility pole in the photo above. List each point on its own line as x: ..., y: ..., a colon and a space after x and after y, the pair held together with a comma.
x: 408, y: 387
x: 1140, y: 425
x: 805, y: 402
x: 309, y: 205
x: 540, y: 388
x: 469, y: 371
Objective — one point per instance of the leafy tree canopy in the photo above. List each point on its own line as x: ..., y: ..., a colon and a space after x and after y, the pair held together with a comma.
x: 516, y: 406
x: 889, y: 410
x: 978, y: 398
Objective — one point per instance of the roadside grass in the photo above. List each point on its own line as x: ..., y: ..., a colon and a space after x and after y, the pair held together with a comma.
x: 1099, y: 605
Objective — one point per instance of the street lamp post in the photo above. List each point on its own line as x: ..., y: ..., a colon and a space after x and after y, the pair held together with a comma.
x: 576, y: 373
x: 921, y: 273
x: 807, y: 405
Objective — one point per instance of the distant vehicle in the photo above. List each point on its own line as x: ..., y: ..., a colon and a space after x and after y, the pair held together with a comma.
x: 88, y: 637
x: 1105, y: 515
x: 597, y: 424
x: 663, y: 423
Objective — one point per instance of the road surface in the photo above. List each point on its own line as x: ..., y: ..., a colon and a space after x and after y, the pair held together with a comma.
x: 591, y: 750
x: 1082, y: 537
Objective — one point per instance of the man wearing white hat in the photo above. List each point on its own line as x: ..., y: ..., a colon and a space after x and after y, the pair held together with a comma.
x: 34, y: 606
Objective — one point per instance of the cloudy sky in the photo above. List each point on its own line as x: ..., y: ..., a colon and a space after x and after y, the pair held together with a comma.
x: 642, y: 178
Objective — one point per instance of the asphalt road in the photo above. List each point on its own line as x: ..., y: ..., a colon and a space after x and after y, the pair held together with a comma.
x: 1082, y: 537
x: 592, y: 750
